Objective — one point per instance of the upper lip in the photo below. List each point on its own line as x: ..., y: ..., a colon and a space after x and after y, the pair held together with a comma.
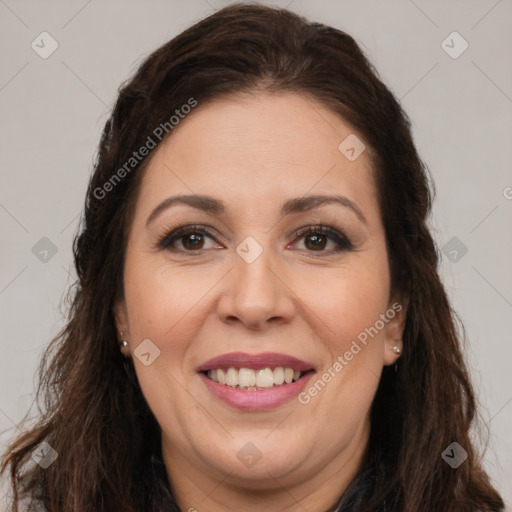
x: 255, y: 361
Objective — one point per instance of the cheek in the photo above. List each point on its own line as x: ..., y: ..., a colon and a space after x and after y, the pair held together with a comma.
x: 346, y: 306
x: 345, y: 301
x: 167, y: 304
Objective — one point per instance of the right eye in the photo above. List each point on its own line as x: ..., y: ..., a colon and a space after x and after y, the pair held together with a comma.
x: 187, y: 239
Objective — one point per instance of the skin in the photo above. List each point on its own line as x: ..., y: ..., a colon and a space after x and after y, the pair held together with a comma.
x: 254, y: 152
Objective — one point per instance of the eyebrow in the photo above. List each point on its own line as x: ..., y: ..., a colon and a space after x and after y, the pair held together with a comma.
x: 296, y: 205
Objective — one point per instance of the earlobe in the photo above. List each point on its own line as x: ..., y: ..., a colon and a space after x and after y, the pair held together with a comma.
x: 393, y: 346
x: 121, y: 324
x: 392, y: 352
x: 125, y: 347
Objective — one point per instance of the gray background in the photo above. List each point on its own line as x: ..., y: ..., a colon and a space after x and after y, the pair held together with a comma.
x: 53, y: 110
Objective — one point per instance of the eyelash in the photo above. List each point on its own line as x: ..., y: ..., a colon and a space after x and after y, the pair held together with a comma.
x: 343, y: 243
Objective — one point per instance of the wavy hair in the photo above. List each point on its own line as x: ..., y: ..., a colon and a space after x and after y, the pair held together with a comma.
x: 91, y: 408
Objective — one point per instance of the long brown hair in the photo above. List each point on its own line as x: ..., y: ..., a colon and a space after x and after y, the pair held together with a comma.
x: 93, y: 413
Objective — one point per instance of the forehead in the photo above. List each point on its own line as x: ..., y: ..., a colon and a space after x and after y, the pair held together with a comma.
x: 252, y: 149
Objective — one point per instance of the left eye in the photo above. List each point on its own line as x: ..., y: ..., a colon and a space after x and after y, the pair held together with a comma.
x: 316, y: 241
x: 318, y: 238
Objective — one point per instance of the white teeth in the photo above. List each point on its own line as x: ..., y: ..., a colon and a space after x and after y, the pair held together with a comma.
x: 265, y: 378
x: 232, y: 377
x: 247, y: 378
x: 278, y: 375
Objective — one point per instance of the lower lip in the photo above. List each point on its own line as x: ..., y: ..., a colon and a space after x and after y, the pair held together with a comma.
x: 257, y: 400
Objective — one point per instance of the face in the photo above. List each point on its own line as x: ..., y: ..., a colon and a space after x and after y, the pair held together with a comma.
x: 263, y: 273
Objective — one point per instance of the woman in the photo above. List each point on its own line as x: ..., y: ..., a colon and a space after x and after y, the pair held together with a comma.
x: 259, y: 322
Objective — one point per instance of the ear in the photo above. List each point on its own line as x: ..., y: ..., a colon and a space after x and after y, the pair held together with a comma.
x: 121, y: 322
x: 393, y: 344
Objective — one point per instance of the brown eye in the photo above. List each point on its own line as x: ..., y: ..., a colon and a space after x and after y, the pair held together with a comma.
x: 188, y: 239
x: 315, y: 242
x: 323, y: 239
x: 192, y: 241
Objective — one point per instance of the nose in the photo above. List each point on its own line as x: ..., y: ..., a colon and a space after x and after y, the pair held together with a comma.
x: 256, y: 295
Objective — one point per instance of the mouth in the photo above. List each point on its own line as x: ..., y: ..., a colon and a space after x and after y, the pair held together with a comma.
x: 255, y: 382
x: 250, y: 379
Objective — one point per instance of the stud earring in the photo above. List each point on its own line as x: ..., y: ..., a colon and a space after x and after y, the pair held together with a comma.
x: 124, y: 344
x: 397, y: 350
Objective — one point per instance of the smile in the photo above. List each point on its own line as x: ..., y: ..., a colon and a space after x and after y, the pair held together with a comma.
x: 253, y: 380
